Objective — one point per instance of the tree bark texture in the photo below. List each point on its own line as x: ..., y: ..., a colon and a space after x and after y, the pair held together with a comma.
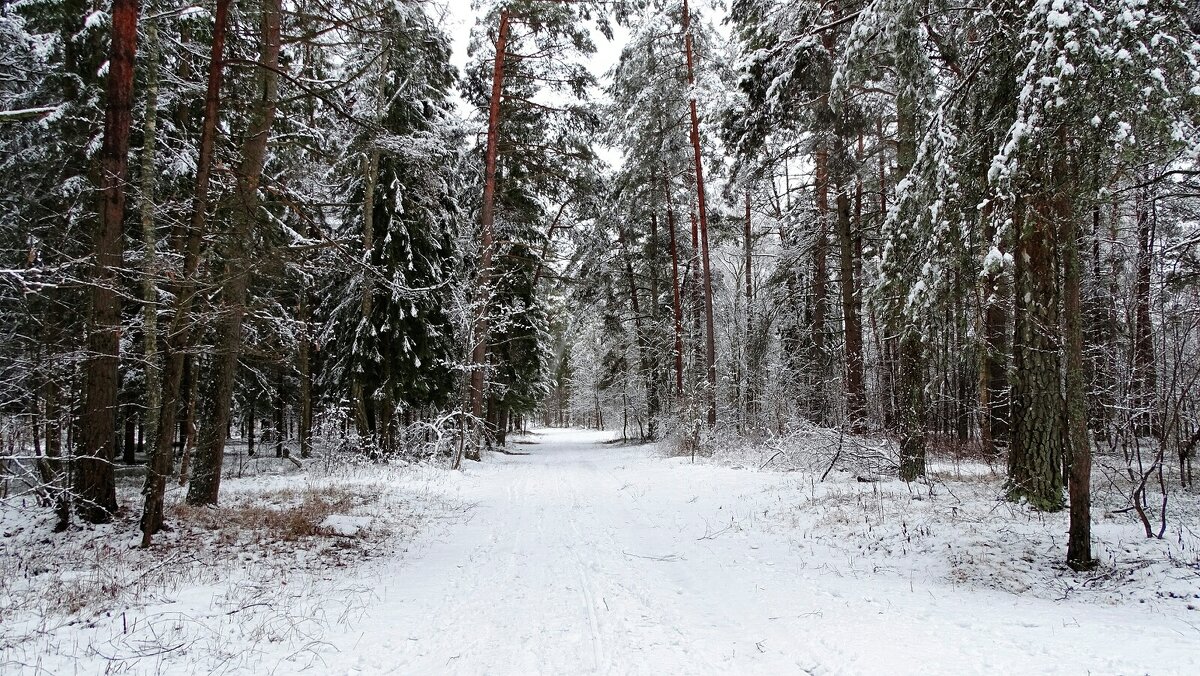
x: 206, y: 471
x: 910, y: 388
x: 1079, y: 447
x: 95, y: 484
x: 1145, y: 377
x: 1036, y: 456
x: 753, y: 353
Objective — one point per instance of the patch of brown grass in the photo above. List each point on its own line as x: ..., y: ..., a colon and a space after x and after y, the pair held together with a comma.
x: 283, y: 515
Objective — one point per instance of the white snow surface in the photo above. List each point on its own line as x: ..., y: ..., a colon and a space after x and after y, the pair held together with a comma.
x: 345, y: 525
x: 592, y: 557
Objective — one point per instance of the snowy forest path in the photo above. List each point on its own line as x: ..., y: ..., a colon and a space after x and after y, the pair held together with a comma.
x: 590, y: 557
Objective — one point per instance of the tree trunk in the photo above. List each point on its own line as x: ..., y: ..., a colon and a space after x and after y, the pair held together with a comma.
x: 676, y: 298
x: 752, y: 356
x: 912, y: 406
x: 639, y: 333
x: 129, y: 447
x: 305, y: 367
x: 502, y: 425
x: 652, y: 356
x: 361, y: 400
x: 187, y: 440
x: 249, y: 429
x: 149, y: 179
x: 210, y: 454
x: 1145, y: 377
x: 710, y: 352
x: 52, y: 467
x: 95, y: 482
x: 1079, y: 447
x: 358, y: 395
x: 178, y: 338
x: 280, y: 413
x: 1101, y: 332
x: 820, y: 253
x: 993, y: 378
x: 479, y: 349
x: 886, y: 343
x: 911, y: 411
x: 1036, y: 456
x: 851, y: 314
x: 696, y: 293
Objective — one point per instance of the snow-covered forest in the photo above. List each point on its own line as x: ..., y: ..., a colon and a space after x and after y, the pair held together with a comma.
x: 628, y: 336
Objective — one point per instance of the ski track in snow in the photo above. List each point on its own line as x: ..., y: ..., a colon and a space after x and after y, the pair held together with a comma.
x: 584, y: 557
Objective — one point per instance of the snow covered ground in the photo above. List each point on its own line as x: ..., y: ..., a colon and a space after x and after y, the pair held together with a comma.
x: 586, y: 557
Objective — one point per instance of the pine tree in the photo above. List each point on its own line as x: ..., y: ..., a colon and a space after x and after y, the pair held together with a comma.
x: 535, y: 155
x: 95, y: 482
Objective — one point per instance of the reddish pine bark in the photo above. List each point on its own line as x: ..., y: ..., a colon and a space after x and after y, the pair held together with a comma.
x: 486, y: 221
x: 710, y: 351
x: 95, y: 485
x: 676, y: 299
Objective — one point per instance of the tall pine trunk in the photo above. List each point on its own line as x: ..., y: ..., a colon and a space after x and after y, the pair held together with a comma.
x: 819, y: 304
x: 360, y: 399
x: 1145, y: 376
x: 186, y: 241
x: 639, y: 333
x: 487, y: 219
x: 95, y: 482
x: 210, y: 453
x: 149, y: 179
x: 753, y: 346
x: 1079, y: 447
x: 654, y: 393
x: 1036, y: 456
x: 676, y: 297
x: 910, y: 388
x: 710, y: 340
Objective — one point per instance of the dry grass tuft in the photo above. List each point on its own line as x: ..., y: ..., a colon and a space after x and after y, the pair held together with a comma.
x: 282, y: 515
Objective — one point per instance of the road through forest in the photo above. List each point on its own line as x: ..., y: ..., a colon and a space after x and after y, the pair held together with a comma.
x: 587, y: 557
